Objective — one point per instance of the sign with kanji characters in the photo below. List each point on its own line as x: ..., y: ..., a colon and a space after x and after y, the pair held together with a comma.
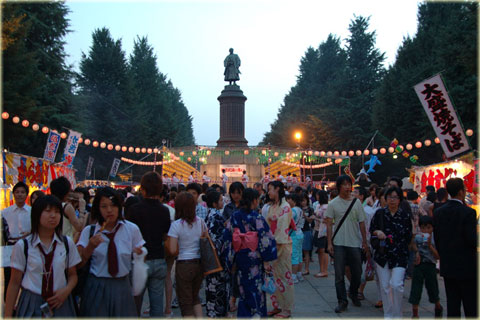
x: 33, y: 171
x: 53, y: 142
x: 233, y: 170
x: 88, y: 172
x: 71, y: 148
x: 442, y: 115
x: 114, y: 169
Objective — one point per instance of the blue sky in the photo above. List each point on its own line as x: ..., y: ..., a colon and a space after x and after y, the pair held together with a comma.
x: 192, y: 38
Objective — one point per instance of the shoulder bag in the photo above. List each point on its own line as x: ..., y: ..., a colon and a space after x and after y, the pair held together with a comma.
x: 340, y: 225
x: 374, y: 241
x: 208, y: 253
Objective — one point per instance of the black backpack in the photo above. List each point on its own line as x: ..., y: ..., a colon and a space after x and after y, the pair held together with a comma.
x: 25, y: 251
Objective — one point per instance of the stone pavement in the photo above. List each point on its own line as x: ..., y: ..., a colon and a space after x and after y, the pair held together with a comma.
x: 316, y: 298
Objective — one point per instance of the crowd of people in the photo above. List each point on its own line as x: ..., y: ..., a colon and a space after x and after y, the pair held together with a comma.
x: 72, y: 252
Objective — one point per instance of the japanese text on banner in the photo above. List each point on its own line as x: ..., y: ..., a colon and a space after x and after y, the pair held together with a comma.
x: 71, y: 148
x: 442, y: 115
x: 52, y: 146
x: 115, y: 165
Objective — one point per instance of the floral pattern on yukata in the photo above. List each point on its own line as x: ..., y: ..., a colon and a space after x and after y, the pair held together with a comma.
x: 249, y: 274
x: 398, y: 228
x: 217, y: 286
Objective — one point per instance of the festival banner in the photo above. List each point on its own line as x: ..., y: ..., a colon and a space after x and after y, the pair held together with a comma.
x: 115, y: 165
x: 71, y: 148
x: 233, y: 170
x: 442, y: 115
x: 33, y: 171
x: 88, y: 172
x: 53, y: 142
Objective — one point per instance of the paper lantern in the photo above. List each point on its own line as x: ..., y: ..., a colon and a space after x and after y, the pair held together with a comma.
x: 275, y: 154
x: 344, y: 153
x: 189, y: 159
x: 63, y: 135
x: 149, y: 150
x: 351, y: 153
x: 182, y: 153
x: 322, y: 153
x: 337, y: 161
x: 35, y: 127
x: 194, y: 153
x: 437, y: 140
x: 428, y: 143
x: 227, y: 152
x: 409, y: 146
x: 87, y: 142
x: 131, y: 149
x: 95, y: 143
x: 336, y: 153
x: 25, y: 123
x: 110, y: 146
x: 144, y: 150
x: 418, y: 145
x: 124, y: 149
x: 80, y: 140
x: 5, y: 115
x: 245, y: 152
x: 329, y: 153
x: 366, y: 152
x: 374, y: 151
x: 45, y: 130
x: 209, y: 152
x: 155, y: 150
x: 16, y: 119
x: 118, y: 148
x: 137, y: 150
x: 391, y: 149
x: 383, y: 150
x: 316, y: 153
x: 264, y: 152
x: 469, y: 132
x: 358, y: 152
x: 329, y: 160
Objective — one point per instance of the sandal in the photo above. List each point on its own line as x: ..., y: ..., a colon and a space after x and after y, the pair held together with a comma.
x: 273, y: 312
x: 283, y: 315
x: 321, y: 275
x: 305, y: 273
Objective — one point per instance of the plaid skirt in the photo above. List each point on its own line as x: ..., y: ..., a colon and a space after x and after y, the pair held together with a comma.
x: 29, y: 306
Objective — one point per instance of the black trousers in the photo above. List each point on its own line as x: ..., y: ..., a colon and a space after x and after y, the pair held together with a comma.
x: 461, y: 292
x: 6, y: 279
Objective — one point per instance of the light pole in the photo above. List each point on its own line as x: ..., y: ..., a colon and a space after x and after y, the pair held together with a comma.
x: 298, y: 137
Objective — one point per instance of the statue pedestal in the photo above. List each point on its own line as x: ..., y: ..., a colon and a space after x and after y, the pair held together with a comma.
x: 232, y: 117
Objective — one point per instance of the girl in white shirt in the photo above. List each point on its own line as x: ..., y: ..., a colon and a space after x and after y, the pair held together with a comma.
x: 46, y: 272
x: 244, y: 179
x: 107, y: 291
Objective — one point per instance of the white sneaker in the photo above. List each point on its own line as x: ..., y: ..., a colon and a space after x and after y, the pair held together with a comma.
x: 300, y: 277
x: 294, y: 277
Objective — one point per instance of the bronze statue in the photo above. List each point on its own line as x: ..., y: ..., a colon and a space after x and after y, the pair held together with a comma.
x: 231, y: 64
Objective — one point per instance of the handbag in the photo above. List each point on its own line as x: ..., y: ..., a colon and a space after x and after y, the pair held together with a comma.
x: 340, y: 225
x: 167, y: 246
x: 139, y: 272
x: 268, y: 285
x: 208, y: 254
x: 375, y: 242
x: 369, y: 271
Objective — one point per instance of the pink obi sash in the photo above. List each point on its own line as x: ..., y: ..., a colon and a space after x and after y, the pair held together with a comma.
x: 244, y: 240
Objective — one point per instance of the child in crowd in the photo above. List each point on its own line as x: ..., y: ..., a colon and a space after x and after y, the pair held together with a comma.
x: 424, y: 270
x: 294, y: 201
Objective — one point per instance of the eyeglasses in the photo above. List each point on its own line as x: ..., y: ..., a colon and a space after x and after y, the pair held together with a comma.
x: 393, y: 198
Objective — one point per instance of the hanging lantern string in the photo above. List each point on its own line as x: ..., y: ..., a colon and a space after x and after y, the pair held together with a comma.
x: 278, y: 153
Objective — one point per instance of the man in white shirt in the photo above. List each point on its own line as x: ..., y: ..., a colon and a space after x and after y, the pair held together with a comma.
x: 224, y: 180
x: 205, y: 178
x: 18, y: 220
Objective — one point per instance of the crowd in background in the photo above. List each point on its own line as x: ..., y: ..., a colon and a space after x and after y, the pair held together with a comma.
x: 72, y: 249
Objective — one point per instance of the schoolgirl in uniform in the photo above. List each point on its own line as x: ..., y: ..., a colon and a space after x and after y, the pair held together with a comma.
x: 107, y: 291
x: 42, y: 266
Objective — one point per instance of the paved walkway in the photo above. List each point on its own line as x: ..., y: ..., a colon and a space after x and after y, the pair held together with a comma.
x: 316, y: 298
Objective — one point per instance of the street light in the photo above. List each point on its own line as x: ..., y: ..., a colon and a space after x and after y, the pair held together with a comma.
x: 298, y: 137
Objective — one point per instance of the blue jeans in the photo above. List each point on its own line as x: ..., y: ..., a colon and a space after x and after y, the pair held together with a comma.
x: 347, y: 256
x: 157, y: 271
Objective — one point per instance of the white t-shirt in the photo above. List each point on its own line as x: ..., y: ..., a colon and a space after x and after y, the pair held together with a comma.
x: 188, y: 238
x: 32, y: 279
x: 126, y: 239
x: 224, y: 178
x: 18, y: 220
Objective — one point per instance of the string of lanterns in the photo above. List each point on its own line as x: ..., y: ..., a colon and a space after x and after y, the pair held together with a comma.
x: 326, y: 164
x: 146, y: 163
x: 122, y: 148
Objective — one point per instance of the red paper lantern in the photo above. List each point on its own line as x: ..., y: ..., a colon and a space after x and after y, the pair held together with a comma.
x: 87, y: 142
x: 95, y: 143
x: 418, y: 144
x: 409, y: 146
x: 118, y: 148
x: 63, y: 135
x: 131, y: 149
x: 35, y: 127
x: 5, y: 115
x: 428, y: 142
x: 124, y: 149
x: 45, y: 130
x: 437, y: 140
x: 16, y: 119
x: 103, y: 145
x: 374, y: 151
x: 383, y: 150
x: 25, y: 123
x: 110, y: 146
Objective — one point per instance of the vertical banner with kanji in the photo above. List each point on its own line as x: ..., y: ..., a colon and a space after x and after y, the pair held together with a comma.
x: 88, y: 172
x: 53, y: 142
x: 115, y: 165
x: 442, y: 115
x: 71, y: 148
